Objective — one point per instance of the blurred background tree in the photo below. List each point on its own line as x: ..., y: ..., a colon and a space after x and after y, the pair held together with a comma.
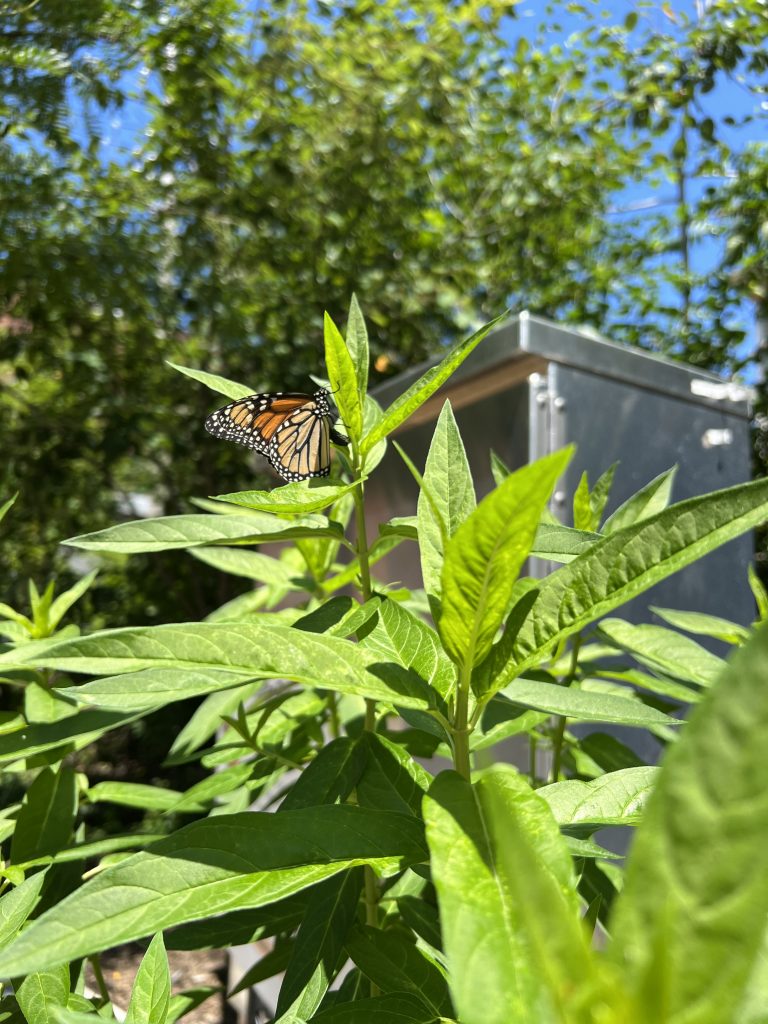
x: 197, y: 181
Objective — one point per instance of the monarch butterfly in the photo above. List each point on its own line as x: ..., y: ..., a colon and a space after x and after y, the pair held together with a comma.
x: 293, y: 430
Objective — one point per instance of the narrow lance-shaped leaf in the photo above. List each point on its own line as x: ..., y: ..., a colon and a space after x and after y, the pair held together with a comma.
x: 196, y: 658
x: 64, y: 602
x: 394, y: 963
x: 357, y: 344
x: 485, y: 555
x: 448, y: 498
x: 212, y: 866
x: 647, y: 502
x: 664, y: 650
x: 188, y: 531
x: 221, y: 385
x: 418, y: 393
x: 343, y: 379
x: 299, y: 496
x: 151, y: 995
x: 17, y: 904
x: 317, y: 952
x: 703, y: 624
x: 483, y: 897
x: 45, y: 821
x: 616, y: 569
x: 689, y: 925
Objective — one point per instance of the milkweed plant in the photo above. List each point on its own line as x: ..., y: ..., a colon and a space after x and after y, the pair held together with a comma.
x: 392, y: 890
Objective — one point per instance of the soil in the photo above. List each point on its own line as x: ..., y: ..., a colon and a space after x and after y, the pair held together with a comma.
x: 189, y: 970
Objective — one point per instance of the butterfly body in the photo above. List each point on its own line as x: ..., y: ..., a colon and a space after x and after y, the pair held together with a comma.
x: 293, y: 430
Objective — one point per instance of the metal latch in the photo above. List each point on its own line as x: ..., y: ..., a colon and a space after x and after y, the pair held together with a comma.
x: 714, y: 437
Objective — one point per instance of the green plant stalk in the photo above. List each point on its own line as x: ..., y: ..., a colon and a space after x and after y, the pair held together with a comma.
x: 461, y: 727
x: 371, y: 889
x: 99, y: 976
x: 532, y: 758
x: 557, y: 743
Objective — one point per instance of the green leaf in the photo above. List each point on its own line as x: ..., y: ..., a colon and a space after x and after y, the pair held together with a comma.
x: 690, y: 922
x: 445, y: 501
x: 484, y: 557
x: 505, y: 885
x: 342, y: 375
x: 189, y: 531
x: 615, y: 799
x: 183, y: 1003
x: 418, y: 393
x: 357, y: 344
x: 754, y: 1006
x: 393, y: 1008
x: 7, y: 505
x: 618, y: 568
x: 647, y: 502
x: 77, y: 731
x: 664, y: 651
x: 598, y: 498
x: 330, y: 777
x: 583, y: 705
x: 216, y: 865
x: 499, y: 469
x: 339, y: 616
x: 582, y: 510
x: 705, y: 625
x: 759, y: 592
x: 391, y: 780
x: 41, y: 993
x: 207, y: 718
x: 151, y: 995
x: 220, y: 385
x: 253, y: 565
x: 393, y: 962
x: 423, y: 918
x: 300, y: 496
x: 64, y: 602
x: 240, y: 926
x: 317, y: 951
x: 500, y: 720
x: 194, y: 658
x: 134, y: 794
x: 609, y: 753
x: 558, y: 543
x: 17, y: 904
x: 46, y: 819
x: 397, y: 635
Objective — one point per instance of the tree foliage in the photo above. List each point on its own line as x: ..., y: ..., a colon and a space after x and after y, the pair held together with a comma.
x: 441, y: 160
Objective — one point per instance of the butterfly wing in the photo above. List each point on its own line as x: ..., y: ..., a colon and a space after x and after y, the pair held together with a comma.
x: 253, y: 421
x: 301, y: 446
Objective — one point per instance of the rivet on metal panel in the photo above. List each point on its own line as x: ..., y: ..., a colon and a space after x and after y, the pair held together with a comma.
x: 560, y: 403
x: 541, y: 398
x: 559, y: 497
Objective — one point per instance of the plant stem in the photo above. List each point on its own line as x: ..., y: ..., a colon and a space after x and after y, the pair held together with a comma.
x: 371, y: 889
x: 461, y: 727
x: 557, y: 747
x: 557, y: 743
x: 532, y: 758
x: 365, y: 580
x: 99, y: 976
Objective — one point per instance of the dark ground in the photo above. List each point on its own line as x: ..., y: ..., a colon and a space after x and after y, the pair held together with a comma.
x: 189, y: 970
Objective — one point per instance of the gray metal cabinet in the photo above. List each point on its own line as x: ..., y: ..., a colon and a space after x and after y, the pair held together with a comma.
x: 532, y: 386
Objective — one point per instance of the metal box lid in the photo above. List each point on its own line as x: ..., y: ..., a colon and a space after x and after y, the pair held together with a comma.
x: 527, y: 344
